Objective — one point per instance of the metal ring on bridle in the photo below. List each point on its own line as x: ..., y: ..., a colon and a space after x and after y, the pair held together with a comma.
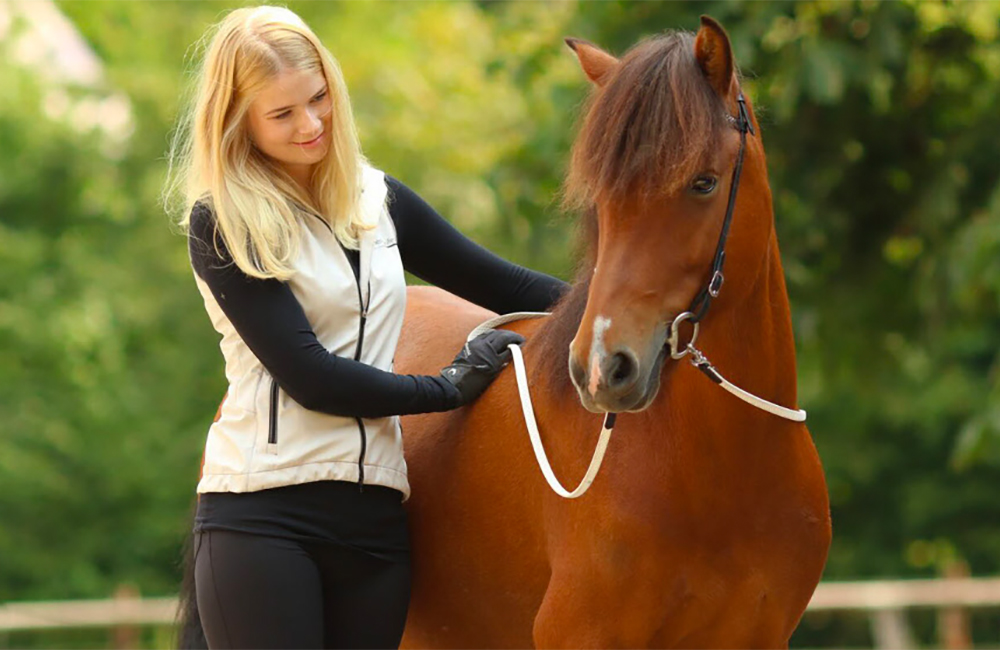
x: 674, y: 336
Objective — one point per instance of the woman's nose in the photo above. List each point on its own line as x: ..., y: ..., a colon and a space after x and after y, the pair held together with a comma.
x: 310, y: 122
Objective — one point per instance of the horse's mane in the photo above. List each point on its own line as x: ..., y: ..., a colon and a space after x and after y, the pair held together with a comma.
x: 648, y: 128
x: 645, y: 132
x: 559, y: 329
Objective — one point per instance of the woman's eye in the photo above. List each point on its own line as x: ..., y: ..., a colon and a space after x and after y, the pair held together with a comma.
x: 704, y: 184
x: 317, y: 98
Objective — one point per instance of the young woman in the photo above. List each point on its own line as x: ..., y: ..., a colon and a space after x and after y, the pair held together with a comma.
x: 298, y: 248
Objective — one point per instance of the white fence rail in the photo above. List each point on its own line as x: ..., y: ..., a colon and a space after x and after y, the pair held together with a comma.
x: 896, y: 594
x: 885, y: 602
x: 87, y: 613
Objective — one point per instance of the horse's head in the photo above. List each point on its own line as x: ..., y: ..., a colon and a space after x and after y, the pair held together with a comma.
x: 654, y: 164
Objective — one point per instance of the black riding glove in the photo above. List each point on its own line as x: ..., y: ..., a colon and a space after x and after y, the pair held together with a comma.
x: 479, y: 362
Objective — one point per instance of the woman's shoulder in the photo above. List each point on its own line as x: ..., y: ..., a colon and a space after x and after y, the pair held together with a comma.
x: 202, y: 210
x: 202, y: 239
x: 201, y: 220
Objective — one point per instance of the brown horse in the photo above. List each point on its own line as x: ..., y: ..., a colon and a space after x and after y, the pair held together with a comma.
x: 708, y: 525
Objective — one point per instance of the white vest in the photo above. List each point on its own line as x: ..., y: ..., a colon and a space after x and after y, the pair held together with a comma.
x: 263, y: 438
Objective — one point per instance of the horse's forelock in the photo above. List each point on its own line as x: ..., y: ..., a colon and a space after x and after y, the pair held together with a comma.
x: 649, y: 129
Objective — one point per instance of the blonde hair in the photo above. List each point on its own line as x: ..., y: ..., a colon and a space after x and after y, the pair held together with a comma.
x: 212, y: 159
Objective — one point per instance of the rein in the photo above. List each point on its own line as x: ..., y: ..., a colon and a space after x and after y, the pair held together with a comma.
x: 695, y: 313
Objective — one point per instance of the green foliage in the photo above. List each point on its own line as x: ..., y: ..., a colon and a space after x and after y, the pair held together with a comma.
x: 103, y: 411
x: 879, y: 121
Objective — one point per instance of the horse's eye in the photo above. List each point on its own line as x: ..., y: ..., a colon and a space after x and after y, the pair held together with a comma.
x: 704, y: 184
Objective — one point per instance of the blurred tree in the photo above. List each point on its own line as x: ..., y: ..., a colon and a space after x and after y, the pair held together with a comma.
x: 92, y: 317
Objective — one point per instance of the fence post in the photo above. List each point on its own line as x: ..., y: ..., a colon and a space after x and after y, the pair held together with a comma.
x: 954, y: 628
x: 125, y: 635
x: 891, y: 630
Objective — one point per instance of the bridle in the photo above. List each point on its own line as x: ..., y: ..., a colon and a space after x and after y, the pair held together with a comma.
x: 699, y: 306
x: 695, y: 313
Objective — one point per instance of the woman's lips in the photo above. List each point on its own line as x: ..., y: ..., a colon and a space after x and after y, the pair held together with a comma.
x: 312, y: 143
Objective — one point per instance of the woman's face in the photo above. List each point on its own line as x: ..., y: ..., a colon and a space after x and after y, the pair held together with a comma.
x: 289, y: 120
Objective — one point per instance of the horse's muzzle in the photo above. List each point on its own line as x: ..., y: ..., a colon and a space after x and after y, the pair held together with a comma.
x: 617, y: 381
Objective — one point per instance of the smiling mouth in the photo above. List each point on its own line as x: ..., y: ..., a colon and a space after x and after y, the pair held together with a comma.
x: 313, y: 141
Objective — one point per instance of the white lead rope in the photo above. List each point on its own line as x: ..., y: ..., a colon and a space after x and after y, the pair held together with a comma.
x: 529, y: 413
x: 536, y: 439
x: 698, y: 360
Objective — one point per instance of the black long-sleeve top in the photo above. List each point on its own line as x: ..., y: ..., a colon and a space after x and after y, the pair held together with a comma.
x: 271, y: 321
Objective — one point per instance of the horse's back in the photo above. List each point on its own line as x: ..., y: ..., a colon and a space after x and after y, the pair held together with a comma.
x: 435, y: 328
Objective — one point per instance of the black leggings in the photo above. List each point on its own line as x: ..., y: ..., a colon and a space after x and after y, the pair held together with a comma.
x: 270, y: 592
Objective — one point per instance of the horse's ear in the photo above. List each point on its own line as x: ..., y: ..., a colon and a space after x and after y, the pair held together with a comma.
x: 715, y: 55
x: 596, y: 63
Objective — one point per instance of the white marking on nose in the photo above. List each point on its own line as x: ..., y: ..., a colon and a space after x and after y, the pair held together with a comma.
x: 597, y: 351
x: 595, y: 374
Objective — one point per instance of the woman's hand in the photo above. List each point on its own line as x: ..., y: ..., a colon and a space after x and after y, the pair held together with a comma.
x: 479, y: 362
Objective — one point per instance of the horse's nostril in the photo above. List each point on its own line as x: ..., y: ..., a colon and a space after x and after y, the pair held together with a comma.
x: 621, y: 370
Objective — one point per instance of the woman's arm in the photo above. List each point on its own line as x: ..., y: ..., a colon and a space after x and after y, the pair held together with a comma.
x: 433, y: 250
x: 271, y: 321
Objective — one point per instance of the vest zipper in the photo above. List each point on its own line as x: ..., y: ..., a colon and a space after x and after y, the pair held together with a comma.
x: 272, y: 426
x: 361, y: 425
x: 357, y: 357
x: 361, y: 459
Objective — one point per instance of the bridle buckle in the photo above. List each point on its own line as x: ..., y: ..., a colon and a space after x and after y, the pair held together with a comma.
x: 715, y: 285
x: 744, y: 124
